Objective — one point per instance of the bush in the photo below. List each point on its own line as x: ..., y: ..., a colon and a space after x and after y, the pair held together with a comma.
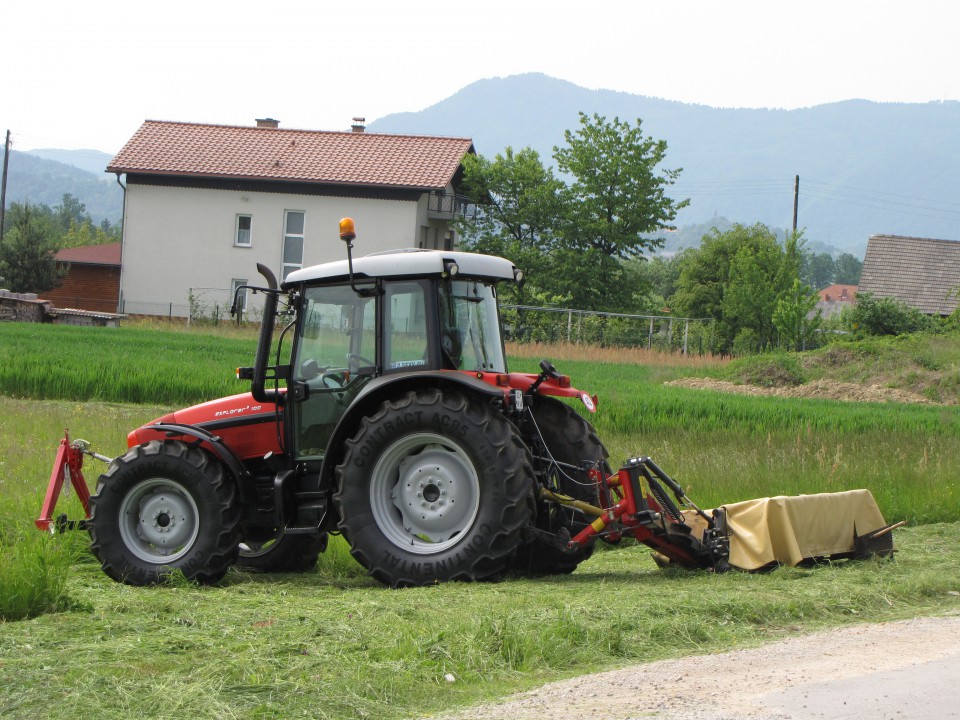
x: 886, y: 316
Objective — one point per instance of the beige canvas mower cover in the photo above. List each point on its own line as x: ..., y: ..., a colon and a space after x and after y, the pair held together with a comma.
x: 788, y: 530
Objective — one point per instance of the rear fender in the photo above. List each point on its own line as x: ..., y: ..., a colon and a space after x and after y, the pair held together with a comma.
x: 554, y: 387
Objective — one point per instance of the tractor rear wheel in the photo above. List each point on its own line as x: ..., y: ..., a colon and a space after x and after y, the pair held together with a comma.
x: 570, y: 440
x: 434, y: 486
x: 280, y: 552
x: 163, y: 507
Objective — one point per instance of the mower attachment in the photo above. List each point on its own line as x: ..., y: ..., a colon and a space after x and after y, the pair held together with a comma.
x: 749, y: 535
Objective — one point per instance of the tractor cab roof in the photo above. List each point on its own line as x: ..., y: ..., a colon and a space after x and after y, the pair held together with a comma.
x: 408, y: 262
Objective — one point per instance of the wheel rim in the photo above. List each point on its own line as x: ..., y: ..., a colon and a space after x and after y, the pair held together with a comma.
x: 159, y: 521
x: 424, y: 493
x: 256, y: 548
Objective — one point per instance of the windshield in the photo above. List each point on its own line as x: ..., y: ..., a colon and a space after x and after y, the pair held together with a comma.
x: 469, y: 326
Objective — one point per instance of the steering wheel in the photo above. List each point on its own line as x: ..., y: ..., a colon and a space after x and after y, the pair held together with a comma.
x: 332, y: 379
x: 355, y: 361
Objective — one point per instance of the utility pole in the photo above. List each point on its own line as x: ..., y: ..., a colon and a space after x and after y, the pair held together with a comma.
x: 796, y: 198
x: 3, y: 186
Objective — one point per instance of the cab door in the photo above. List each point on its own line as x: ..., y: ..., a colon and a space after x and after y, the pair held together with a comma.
x: 336, y: 337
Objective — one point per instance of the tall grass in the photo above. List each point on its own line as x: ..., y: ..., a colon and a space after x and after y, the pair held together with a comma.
x: 616, y: 355
x: 128, y: 365
x: 334, y: 644
x: 34, y: 567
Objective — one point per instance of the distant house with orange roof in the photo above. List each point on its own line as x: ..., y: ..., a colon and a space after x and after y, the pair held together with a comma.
x: 205, y: 203
x: 835, y: 298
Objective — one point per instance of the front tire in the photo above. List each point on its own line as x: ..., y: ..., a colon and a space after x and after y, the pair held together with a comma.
x: 434, y: 487
x: 162, y: 507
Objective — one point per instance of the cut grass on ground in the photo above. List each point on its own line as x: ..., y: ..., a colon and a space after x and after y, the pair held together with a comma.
x: 341, y: 646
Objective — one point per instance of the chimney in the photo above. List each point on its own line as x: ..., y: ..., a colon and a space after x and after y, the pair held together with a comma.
x: 359, y: 124
x: 267, y: 123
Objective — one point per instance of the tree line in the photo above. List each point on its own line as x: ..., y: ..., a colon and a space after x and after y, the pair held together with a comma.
x: 584, y: 234
x: 34, y: 233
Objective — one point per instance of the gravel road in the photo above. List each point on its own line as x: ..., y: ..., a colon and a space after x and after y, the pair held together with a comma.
x: 899, y: 670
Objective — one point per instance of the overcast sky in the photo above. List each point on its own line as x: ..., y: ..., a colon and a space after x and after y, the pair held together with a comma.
x: 86, y: 75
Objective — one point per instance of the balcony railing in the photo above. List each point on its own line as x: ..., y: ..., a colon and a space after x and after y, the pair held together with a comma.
x: 447, y: 206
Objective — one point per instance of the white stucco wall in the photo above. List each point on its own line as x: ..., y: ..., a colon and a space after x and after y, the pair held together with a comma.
x: 178, y: 239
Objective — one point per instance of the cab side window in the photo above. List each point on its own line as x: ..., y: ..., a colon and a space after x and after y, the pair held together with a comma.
x: 405, y: 339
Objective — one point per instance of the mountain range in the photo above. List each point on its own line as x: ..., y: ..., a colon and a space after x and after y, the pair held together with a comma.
x: 44, y: 176
x: 865, y: 168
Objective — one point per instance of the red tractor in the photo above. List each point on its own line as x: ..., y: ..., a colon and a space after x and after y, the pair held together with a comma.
x: 385, y: 411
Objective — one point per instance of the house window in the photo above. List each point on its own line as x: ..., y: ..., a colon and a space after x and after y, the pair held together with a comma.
x: 243, y: 236
x: 235, y: 284
x: 292, y: 241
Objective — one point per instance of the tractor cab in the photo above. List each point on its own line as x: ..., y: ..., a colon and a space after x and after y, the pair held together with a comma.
x: 348, y: 334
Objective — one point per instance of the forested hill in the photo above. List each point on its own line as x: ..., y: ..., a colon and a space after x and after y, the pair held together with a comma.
x: 42, y: 181
x: 865, y: 168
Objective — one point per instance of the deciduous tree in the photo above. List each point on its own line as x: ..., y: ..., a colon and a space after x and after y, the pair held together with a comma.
x: 734, y: 277
x: 517, y: 206
x: 796, y: 316
x: 618, y: 194
x: 847, y: 270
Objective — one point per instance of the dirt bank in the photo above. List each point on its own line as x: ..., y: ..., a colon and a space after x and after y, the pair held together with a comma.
x: 828, y: 389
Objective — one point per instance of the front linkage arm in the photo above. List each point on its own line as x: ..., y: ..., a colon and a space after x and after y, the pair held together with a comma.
x: 67, y: 471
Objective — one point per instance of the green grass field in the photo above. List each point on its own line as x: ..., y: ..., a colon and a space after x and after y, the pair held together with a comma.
x: 334, y: 644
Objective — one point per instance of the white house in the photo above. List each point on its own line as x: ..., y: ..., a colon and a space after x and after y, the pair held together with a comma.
x: 205, y: 203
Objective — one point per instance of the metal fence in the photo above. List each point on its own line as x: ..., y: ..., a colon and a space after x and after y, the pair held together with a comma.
x: 200, y: 305
x: 521, y: 323
x: 525, y: 324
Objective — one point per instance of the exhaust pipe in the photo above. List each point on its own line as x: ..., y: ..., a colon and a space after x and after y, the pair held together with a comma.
x: 257, y: 389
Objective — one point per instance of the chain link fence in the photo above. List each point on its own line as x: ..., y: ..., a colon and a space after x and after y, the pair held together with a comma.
x: 529, y: 324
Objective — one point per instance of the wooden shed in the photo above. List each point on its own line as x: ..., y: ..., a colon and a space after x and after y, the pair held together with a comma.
x: 93, y: 281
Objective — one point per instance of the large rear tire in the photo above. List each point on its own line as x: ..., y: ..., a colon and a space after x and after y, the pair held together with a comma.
x: 434, y: 487
x: 162, y: 507
x: 570, y: 440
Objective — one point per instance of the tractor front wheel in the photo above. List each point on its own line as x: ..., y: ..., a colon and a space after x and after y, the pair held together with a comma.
x: 434, y: 487
x: 163, y: 507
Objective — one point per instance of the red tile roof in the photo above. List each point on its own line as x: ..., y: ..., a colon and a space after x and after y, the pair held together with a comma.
x: 108, y: 254
x: 337, y: 158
